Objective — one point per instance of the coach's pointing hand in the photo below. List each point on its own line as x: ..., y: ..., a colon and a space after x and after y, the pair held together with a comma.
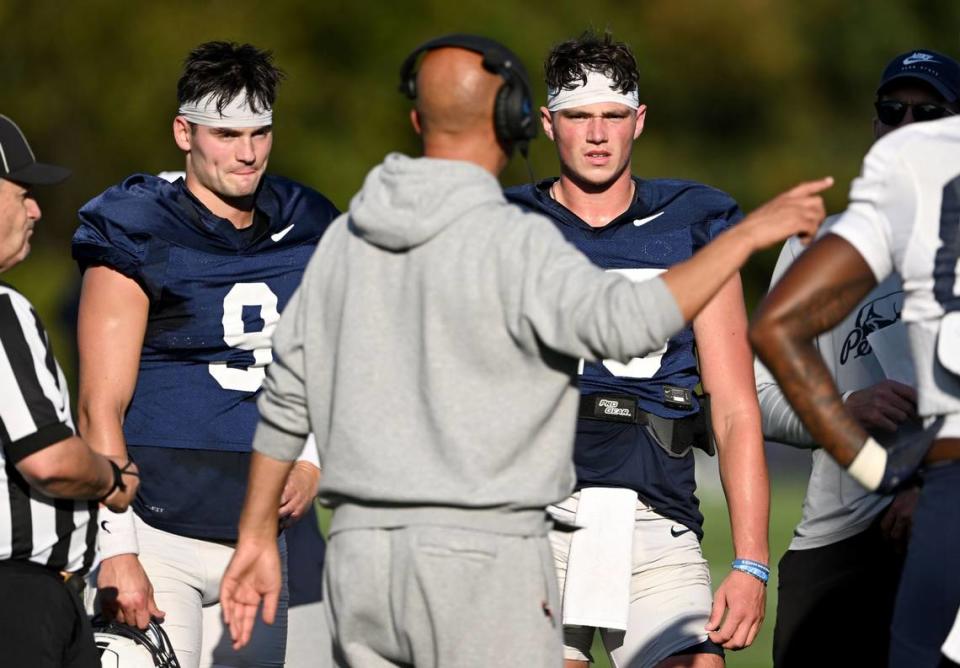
x: 696, y: 280
x: 798, y: 211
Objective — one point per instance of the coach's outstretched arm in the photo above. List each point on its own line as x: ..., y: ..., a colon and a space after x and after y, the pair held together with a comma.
x: 821, y: 287
x: 558, y: 298
x: 797, y: 211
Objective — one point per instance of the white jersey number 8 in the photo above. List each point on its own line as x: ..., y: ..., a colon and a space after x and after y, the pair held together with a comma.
x: 240, y: 295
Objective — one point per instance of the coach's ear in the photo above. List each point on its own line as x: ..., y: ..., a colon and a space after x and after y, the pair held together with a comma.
x: 182, y: 133
x: 415, y: 122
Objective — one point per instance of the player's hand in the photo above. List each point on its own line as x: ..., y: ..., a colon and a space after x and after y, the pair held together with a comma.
x: 883, y: 406
x: 252, y: 576
x: 119, y: 500
x: 898, y: 519
x: 125, y: 591
x: 298, y: 492
x: 744, y: 599
x: 798, y: 211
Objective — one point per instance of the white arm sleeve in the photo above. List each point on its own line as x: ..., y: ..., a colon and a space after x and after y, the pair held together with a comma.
x: 117, y: 534
x: 310, y: 453
x: 780, y: 421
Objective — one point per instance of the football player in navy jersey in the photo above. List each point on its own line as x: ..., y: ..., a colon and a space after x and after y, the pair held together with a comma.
x: 183, y: 285
x: 639, y: 421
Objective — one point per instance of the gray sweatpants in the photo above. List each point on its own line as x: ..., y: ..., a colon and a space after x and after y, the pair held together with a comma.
x: 432, y: 596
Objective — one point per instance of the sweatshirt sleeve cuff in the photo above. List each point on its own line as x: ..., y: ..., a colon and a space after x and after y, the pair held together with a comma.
x: 277, y: 443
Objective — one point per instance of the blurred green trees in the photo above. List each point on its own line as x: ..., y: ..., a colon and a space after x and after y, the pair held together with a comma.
x: 746, y: 95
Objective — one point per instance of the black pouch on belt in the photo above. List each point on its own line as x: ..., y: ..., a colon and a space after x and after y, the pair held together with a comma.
x: 677, y: 436
x: 703, y: 436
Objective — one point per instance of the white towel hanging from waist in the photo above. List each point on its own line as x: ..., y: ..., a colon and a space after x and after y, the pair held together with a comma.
x: 597, y: 587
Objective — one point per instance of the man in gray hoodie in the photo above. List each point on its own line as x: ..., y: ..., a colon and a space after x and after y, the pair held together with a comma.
x: 432, y: 349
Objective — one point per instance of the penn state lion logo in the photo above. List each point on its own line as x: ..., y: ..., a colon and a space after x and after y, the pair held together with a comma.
x: 872, y: 316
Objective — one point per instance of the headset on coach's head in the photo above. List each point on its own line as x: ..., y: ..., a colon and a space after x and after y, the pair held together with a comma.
x: 513, y: 117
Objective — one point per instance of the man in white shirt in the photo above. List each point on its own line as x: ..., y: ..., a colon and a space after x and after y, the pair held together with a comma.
x: 839, y: 577
x: 903, y: 217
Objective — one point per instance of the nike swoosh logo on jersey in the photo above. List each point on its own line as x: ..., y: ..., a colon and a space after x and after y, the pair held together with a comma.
x: 677, y: 534
x: 282, y: 233
x: 103, y: 526
x: 640, y: 221
x: 919, y: 58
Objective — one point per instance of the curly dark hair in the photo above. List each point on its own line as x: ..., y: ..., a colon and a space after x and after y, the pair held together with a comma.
x: 224, y: 70
x: 566, y: 64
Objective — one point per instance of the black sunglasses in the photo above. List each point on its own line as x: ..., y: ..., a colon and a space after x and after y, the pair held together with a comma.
x: 891, y: 112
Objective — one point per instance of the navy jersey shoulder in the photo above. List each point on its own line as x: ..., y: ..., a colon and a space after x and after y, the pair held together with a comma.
x: 215, y: 296
x: 130, y: 226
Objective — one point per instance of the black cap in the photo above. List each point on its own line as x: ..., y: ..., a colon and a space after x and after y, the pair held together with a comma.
x: 935, y: 69
x: 17, y: 162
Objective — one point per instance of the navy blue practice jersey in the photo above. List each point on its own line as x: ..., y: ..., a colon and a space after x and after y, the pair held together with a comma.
x: 215, y: 297
x: 667, y: 221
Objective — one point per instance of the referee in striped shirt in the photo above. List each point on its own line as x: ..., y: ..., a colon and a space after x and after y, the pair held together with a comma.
x: 50, y: 480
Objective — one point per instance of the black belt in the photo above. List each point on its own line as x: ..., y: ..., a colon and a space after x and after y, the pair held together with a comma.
x: 612, y: 408
x: 675, y: 436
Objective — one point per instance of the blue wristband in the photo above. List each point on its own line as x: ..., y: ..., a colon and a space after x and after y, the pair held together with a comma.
x: 754, y: 568
x: 750, y: 562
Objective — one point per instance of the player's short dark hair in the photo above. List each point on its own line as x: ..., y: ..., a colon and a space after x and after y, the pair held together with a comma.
x: 225, y: 69
x: 566, y: 64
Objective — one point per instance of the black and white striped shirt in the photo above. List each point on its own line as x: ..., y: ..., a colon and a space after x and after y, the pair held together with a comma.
x: 35, y: 414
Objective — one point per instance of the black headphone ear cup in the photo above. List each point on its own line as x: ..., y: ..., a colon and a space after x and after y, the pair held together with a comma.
x: 502, y: 125
x: 525, y: 127
x: 408, y: 75
x: 513, y: 113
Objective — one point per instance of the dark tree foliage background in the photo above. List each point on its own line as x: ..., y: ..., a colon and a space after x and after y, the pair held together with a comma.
x: 747, y: 95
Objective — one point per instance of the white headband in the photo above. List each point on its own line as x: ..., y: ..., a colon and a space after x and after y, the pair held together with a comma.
x: 599, y: 88
x: 236, y: 114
